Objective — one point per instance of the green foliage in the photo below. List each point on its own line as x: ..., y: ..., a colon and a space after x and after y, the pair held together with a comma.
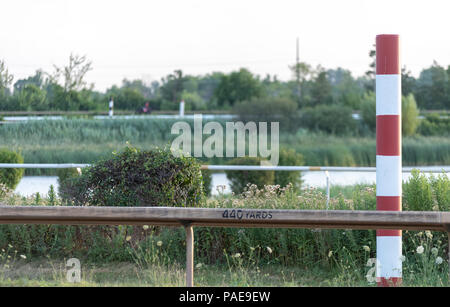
x: 426, y: 193
x: 334, y: 119
x: 269, y: 110
x: 434, y: 124
x: 368, y: 110
x: 289, y: 157
x: 10, y: 176
x: 207, y: 181
x: 239, y: 180
x: 139, y: 178
x: 410, y: 113
x: 238, y: 86
x: 65, y: 181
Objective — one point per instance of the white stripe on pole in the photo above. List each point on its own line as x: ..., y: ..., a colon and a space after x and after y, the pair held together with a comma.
x: 389, y: 176
x: 388, y: 97
x: 389, y: 253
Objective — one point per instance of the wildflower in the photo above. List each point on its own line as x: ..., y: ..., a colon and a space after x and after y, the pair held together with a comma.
x: 252, y: 249
x: 128, y: 238
x: 237, y: 255
x: 419, y: 249
x: 23, y: 256
x: 420, y: 234
x: 145, y: 227
x: 402, y: 258
x: 159, y: 243
x: 10, y: 246
x: 269, y: 250
x: 429, y: 234
x: 199, y: 265
x: 79, y: 171
x: 439, y: 260
x: 434, y: 251
x: 366, y: 248
x: 330, y: 253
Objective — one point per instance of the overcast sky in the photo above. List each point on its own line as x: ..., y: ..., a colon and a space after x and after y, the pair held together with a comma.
x: 149, y: 39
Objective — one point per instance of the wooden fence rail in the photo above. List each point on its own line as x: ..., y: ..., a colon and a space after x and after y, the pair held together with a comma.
x: 225, y: 217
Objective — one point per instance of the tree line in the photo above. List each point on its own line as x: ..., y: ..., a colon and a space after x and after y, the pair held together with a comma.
x: 315, y: 98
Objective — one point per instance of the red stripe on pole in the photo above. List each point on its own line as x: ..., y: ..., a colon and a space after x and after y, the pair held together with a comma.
x: 389, y: 233
x: 389, y: 203
x: 389, y: 282
x: 388, y: 135
x: 387, y: 54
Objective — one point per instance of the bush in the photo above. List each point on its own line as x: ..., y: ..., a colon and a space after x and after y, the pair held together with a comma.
x: 139, y: 178
x: 434, y: 124
x: 422, y: 193
x: 240, y: 179
x: 334, y: 119
x: 289, y: 157
x: 207, y: 182
x: 65, y: 182
x: 368, y: 110
x: 410, y: 115
x: 10, y: 176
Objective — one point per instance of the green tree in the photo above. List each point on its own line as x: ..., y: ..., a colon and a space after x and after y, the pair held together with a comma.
x: 410, y: 115
x: 368, y: 110
x: 321, y: 91
x: 238, y: 86
x: 433, y: 88
x: 172, y: 86
x: 5, y: 80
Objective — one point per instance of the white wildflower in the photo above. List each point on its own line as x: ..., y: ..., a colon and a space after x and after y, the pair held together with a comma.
x: 330, y: 253
x: 23, y: 256
x: 429, y: 234
x: 366, y: 248
x: 434, y: 251
x: 128, y: 238
x: 159, y: 243
x: 269, y: 250
x: 402, y: 258
x: 420, y: 249
x: 439, y: 260
x: 145, y: 227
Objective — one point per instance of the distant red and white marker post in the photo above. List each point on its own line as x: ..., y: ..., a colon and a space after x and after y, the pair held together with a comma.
x: 389, y: 155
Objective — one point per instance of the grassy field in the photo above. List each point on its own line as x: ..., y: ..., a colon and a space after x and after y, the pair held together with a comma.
x: 86, y: 141
x: 34, y: 255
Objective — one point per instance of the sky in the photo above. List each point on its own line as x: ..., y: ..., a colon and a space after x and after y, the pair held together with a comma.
x: 149, y: 39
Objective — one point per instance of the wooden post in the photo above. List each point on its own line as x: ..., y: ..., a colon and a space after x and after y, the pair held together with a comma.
x: 189, y: 256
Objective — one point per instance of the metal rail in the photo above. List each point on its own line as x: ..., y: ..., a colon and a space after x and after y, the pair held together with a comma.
x: 224, y: 217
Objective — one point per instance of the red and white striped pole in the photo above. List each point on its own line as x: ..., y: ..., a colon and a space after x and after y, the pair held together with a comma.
x: 389, y: 156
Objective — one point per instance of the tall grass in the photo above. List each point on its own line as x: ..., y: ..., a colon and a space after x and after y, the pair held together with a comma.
x: 87, y: 140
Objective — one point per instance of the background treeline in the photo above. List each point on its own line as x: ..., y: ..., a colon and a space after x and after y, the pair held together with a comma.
x: 328, y: 100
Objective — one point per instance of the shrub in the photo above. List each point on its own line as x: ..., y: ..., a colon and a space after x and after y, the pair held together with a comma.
x: 289, y: 157
x: 139, y: 178
x: 434, y: 124
x: 240, y: 179
x: 10, y: 176
x: 422, y: 193
x: 207, y: 182
x: 334, y: 119
x: 410, y: 113
x: 368, y: 110
x: 65, y: 182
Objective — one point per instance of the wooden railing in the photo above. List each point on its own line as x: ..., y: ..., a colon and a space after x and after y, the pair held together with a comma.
x: 224, y: 217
